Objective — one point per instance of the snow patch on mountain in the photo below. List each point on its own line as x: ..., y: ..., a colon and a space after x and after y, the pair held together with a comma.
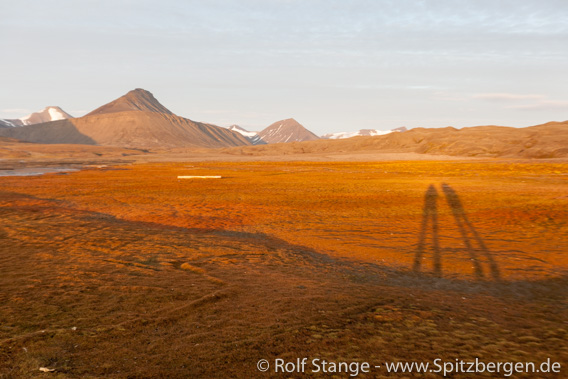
x: 253, y: 137
x: 242, y: 131
x: 55, y: 114
x: 47, y: 114
x: 362, y: 132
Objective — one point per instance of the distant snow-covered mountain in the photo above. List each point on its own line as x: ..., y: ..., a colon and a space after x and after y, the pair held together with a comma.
x: 362, y: 132
x: 253, y: 137
x: 47, y: 114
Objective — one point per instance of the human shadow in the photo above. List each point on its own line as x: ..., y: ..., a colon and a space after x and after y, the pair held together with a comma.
x: 474, y: 244
x: 429, y: 216
x: 470, y: 236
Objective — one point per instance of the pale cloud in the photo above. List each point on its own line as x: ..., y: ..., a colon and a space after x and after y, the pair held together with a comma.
x: 449, y: 96
x: 525, y: 102
x: 506, y: 96
x: 385, y: 87
x: 542, y: 106
x: 361, y: 63
x: 16, y: 110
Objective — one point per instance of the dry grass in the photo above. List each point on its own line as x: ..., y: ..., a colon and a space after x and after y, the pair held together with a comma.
x: 132, y: 273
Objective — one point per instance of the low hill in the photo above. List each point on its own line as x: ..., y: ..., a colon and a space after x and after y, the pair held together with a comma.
x: 541, y: 141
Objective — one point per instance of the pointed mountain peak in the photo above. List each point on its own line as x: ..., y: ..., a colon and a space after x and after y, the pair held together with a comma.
x: 135, y: 100
x: 288, y: 130
x: 56, y: 113
x: 51, y: 113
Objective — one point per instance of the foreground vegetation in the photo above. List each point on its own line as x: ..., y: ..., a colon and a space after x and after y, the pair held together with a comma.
x: 130, y: 272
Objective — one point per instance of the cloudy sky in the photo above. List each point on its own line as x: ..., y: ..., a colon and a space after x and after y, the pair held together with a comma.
x: 332, y: 65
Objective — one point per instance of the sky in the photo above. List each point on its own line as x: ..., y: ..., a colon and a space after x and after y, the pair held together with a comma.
x: 332, y: 65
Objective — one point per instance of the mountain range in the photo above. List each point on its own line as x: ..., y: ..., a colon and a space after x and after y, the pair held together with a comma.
x: 292, y: 131
x: 136, y: 119
x: 139, y: 120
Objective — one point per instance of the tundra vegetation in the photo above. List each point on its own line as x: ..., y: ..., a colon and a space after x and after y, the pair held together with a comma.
x: 126, y: 271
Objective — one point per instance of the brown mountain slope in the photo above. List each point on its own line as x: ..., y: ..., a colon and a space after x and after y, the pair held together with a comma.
x: 542, y: 141
x: 149, y: 129
x: 135, y: 100
x: 61, y: 131
x: 128, y: 129
x: 288, y: 130
x: 135, y: 120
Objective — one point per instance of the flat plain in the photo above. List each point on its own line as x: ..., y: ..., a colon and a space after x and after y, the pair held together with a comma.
x: 126, y: 271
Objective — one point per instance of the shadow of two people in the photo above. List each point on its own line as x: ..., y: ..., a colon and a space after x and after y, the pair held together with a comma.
x: 474, y: 244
